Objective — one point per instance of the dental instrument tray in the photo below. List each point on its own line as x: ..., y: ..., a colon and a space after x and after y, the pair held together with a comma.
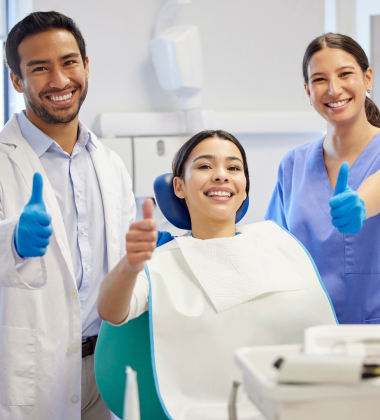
x: 278, y: 401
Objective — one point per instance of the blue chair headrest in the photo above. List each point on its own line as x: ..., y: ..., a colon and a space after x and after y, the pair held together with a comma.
x: 172, y: 208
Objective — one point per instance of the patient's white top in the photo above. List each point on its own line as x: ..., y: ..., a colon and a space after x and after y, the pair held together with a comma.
x: 231, y: 270
x: 139, y: 301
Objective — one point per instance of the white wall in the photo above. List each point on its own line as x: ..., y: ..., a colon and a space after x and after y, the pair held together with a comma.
x: 375, y: 57
x: 264, y: 154
x: 252, y: 52
x: 364, y: 10
x: 117, y: 33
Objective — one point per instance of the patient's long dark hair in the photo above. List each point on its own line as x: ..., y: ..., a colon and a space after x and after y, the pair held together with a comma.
x: 179, y: 161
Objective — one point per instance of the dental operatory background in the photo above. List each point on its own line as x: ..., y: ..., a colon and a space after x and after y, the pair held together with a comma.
x: 161, y: 70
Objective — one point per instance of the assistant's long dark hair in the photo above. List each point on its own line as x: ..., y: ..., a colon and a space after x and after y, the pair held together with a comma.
x: 347, y: 44
x: 179, y: 161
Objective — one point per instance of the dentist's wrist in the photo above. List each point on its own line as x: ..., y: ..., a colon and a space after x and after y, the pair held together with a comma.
x: 18, y: 258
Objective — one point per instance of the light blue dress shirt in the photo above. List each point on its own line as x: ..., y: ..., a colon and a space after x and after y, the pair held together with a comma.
x: 76, y: 187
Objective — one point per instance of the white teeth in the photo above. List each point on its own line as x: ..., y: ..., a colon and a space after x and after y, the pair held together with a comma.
x: 61, y: 98
x: 336, y: 104
x: 220, y: 193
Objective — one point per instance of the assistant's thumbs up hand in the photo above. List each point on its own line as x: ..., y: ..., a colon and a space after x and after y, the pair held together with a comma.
x: 141, y: 238
x: 341, y: 185
x: 347, y: 208
x: 33, y: 229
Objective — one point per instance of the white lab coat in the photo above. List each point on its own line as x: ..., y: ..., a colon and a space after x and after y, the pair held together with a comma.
x: 40, y: 319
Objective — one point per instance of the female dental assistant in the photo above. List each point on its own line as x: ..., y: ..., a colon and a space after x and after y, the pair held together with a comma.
x: 337, y: 76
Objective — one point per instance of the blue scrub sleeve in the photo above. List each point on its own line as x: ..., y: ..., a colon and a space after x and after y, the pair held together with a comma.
x: 275, y: 209
x: 163, y: 238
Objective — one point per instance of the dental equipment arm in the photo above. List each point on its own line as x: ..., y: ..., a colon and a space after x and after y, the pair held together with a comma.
x: 117, y: 287
x: 177, y: 60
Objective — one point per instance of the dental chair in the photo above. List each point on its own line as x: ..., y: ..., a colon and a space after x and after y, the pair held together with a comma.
x: 129, y: 344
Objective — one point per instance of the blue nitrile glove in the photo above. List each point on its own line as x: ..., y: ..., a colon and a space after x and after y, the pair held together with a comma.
x: 347, y: 208
x: 33, y: 228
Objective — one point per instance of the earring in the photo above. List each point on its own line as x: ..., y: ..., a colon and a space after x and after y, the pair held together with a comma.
x: 369, y: 90
x: 311, y: 103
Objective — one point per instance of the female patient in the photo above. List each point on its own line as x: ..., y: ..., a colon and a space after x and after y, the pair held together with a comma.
x: 215, y: 289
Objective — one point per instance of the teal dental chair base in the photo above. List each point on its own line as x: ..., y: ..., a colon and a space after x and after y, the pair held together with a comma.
x: 118, y: 347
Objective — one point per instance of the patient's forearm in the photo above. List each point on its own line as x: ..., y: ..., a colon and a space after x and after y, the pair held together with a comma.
x: 369, y: 192
x: 115, y: 293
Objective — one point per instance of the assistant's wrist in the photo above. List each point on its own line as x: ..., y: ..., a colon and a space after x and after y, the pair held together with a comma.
x: 364, y: 210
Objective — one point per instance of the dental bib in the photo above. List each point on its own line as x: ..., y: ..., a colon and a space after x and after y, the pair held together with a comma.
x: 235, y: 270
x: 197, y: 322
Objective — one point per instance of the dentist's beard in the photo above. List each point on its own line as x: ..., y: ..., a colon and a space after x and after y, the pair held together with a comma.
x: 43, y: 113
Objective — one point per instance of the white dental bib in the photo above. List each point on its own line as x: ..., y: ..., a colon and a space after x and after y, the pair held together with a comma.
x: 193, y: 345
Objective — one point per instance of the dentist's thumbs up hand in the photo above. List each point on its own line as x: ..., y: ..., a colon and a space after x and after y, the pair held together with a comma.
x: 141, y: 239
x: 33, y: 229
x: 347, y: 208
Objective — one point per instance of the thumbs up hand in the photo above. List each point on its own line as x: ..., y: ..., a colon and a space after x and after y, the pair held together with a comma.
x: 348, y: 210
x: 33, y: 228
x: 141, y: 239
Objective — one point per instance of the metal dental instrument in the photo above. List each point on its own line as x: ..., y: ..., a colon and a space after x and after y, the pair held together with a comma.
x: 232, y: 402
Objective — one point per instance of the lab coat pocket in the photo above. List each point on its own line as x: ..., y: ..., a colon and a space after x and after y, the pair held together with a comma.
x: 362, y: 250
x: 17, y: 374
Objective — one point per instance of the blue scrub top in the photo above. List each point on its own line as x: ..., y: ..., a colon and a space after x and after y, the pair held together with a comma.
x: 349, y: 264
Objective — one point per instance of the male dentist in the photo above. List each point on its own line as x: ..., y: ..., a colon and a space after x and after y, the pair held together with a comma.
x: 66, y: 203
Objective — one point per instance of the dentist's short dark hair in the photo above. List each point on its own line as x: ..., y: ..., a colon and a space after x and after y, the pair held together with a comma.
x: 36, y: 23
x: 180, y: 159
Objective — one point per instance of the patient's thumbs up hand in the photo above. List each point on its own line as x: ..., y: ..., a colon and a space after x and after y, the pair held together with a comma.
x: 347, y: 208
x: 141, y: 238
x: 33, y: 229
x: 148, y: 208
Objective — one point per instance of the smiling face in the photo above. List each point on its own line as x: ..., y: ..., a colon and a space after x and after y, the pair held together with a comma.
x: 337, y: 85
x: 214, y: 182
x: 54, y: 78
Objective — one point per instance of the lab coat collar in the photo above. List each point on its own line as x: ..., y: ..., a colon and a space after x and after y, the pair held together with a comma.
x: 37, y: 139
x: 11, y: 133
